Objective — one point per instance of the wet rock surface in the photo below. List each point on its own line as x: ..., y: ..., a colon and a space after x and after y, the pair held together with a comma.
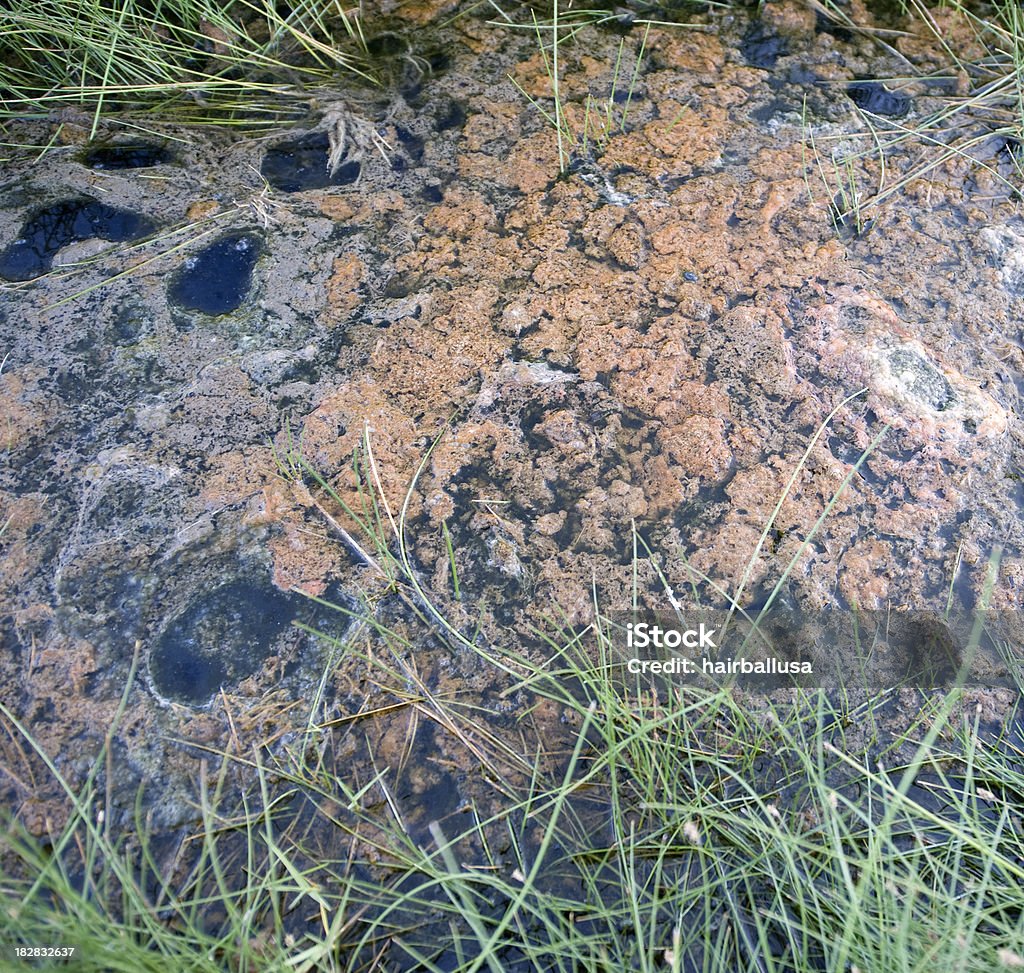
x: 650, y: 340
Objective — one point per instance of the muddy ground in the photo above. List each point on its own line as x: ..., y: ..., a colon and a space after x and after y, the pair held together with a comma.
x: 647, y: 330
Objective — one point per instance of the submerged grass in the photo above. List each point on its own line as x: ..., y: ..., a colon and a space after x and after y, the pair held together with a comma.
x: 694, y: 830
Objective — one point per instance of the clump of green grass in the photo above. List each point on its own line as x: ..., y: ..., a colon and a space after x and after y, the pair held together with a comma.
x: 601, y: 118
x: 773, y: 836
x: 198, y: 59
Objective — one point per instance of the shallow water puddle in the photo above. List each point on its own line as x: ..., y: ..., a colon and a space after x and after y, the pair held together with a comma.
x: 51, y: 229
x: 127, y: 155
x: 221, y: 638
x: 879, y: 100
x: 217, y: 279
x: 302, y: 164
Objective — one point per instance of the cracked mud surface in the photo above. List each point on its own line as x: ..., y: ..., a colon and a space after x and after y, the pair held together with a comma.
x: 652, y: 339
